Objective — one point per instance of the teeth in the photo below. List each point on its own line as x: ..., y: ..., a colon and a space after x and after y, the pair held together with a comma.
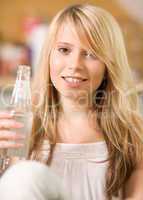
x: 73, y: 80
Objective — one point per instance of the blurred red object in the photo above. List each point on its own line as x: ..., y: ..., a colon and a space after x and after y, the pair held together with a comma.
x: 12, y: 55
x: 29, y: 23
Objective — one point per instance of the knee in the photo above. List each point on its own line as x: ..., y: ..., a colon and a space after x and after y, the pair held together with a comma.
x: 30, y: 180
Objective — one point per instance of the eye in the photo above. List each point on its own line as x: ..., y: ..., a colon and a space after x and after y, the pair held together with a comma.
x: 89, y: 55
x: 64, y: 50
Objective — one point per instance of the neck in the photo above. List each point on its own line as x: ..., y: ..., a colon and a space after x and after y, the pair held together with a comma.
x: 77, y: 123
x: 72, y: 110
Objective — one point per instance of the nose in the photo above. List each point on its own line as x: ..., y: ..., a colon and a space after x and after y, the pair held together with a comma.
x: 75, y: 62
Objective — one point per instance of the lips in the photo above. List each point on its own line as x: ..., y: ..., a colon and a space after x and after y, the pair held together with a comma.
x: 74, y: 81
x: 74, y: 78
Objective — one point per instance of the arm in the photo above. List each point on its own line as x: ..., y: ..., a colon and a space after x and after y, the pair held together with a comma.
x: 134, y: 187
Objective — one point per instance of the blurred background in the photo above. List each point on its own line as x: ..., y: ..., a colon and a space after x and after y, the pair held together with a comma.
x: 23, y: 25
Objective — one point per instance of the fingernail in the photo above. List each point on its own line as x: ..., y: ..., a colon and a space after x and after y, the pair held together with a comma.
x: 5, y: 114
x: 20, y: 144
x: 19, y: 124
x: 23, y: 136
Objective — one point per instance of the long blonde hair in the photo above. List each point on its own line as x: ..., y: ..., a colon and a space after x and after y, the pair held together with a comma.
x: 117, y: 110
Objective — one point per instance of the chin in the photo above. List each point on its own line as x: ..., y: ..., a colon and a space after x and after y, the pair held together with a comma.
x: 75, y: 96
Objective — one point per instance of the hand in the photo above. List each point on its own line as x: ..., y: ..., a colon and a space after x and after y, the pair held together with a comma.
x: 9, y: 138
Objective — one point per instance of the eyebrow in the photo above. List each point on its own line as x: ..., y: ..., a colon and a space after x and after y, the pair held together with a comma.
x: 65, y: 43
x: 69, y: 44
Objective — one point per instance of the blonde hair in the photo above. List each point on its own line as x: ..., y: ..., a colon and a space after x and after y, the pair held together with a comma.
x: 116, y: 100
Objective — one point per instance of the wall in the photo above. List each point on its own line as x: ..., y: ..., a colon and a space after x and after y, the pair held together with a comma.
x: 12, y: 14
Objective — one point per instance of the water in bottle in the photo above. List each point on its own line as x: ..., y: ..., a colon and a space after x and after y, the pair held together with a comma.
x: 21, y: 109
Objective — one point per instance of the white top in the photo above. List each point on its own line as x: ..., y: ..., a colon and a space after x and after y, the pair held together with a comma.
x: 82, y: 168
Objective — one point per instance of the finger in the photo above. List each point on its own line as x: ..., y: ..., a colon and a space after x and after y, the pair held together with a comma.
x: 10, y: 145
x: 4, y: 114
x: 10, y: 135
x: 6, y: 123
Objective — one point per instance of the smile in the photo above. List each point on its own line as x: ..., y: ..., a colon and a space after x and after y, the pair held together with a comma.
x: 74, y: 81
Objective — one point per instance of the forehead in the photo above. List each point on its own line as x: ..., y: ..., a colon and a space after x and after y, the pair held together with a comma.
x: 69, y: 33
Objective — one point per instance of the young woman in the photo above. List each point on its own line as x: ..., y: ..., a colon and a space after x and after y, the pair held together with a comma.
x: 87, y: 126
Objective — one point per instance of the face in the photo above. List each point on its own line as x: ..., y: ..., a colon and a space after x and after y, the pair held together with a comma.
x: 74, y: 70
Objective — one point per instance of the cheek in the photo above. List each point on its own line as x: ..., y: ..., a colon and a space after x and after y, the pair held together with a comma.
x: 52, y: 72
x: 54, y: 66
x: 53, y: 76
x: 97, y: 73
